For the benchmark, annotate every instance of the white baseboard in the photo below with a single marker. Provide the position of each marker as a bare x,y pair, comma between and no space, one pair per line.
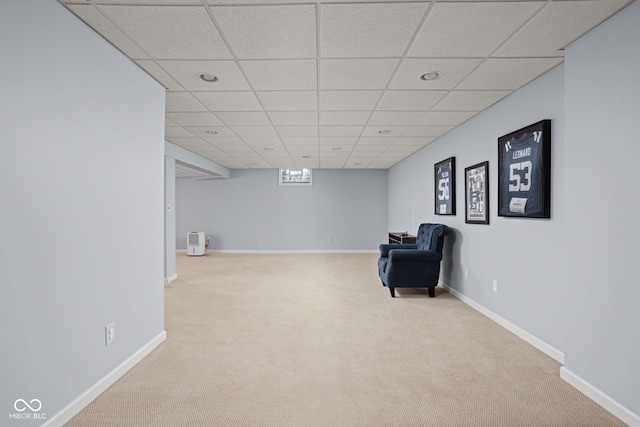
170,279
521,333
600,398
71,410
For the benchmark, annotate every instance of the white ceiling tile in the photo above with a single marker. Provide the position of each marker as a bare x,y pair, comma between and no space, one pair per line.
452,72
420,100
509,73
210,131
97,21
177,132
384,131
335,155
249,131
274,31
271,142
340,130
377,140
343,150
187,73
229,101
194,119
170,32
300,141
182,101
364,155
160,75
357,164
237,147
338,140
368,30
428,131
289,100
470,100
244,118
187,142
398,118
450,118
370,148
293,74
356,73
169,123
300,118
404,148
342,100
556,26
470,29
288,131
344,117
228,143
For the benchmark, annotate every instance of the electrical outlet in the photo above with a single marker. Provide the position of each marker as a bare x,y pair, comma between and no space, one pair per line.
495,286
109,333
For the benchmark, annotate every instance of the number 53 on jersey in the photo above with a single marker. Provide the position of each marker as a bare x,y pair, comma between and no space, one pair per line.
524,172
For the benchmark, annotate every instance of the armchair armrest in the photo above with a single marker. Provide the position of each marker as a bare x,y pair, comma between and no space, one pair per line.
414,255
385,248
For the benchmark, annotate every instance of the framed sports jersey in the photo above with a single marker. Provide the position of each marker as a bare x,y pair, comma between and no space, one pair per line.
476,195
445,187
524,172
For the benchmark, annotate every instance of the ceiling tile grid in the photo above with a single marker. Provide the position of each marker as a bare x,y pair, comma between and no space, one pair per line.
335,83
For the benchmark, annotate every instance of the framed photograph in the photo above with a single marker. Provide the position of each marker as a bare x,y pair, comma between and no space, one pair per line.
476,195
524,172
445,187
295,177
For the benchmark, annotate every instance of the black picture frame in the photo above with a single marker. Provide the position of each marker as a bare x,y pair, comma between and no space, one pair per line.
524,172
445,187
476,194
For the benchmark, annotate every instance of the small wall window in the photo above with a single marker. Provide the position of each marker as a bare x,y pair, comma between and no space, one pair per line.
295,177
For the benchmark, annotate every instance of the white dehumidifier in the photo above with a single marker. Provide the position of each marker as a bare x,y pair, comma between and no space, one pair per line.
195,243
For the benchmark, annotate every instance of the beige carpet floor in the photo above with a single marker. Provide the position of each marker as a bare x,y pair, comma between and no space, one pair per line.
315,340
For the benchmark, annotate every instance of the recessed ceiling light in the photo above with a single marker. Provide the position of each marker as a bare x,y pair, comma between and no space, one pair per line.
434,75
384,131
212,132
306,157
209,78
268,149
336,148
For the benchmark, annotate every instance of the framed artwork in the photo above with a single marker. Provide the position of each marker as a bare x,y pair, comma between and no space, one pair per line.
524,172
476,195
445,187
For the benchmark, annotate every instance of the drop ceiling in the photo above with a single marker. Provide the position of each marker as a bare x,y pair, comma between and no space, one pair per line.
334,84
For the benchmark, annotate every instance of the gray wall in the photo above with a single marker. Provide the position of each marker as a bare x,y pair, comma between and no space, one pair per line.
569,281
169,218
602,319
81,200
523,255
251,212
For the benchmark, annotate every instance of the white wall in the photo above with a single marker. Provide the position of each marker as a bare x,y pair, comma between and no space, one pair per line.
568,281
251,212
601,260
81,200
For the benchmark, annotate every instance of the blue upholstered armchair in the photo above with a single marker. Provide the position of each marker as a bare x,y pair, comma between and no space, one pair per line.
414,266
